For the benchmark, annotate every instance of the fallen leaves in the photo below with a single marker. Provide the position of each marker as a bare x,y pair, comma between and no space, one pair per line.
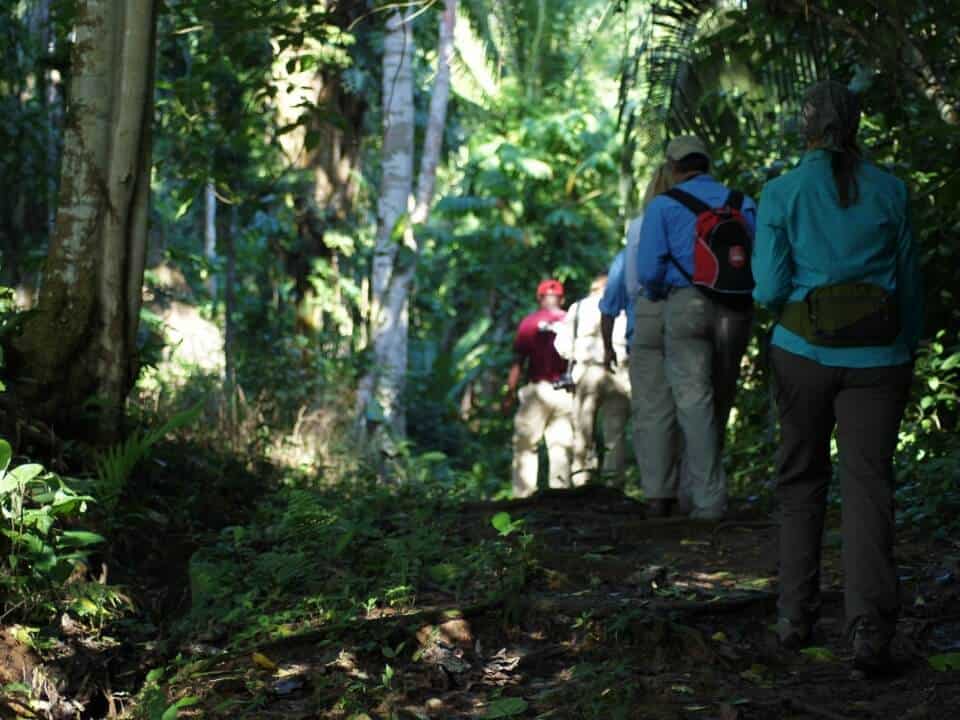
263,662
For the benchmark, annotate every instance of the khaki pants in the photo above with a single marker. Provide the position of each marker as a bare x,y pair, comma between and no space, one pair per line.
656,437
689,358
543,414
607,394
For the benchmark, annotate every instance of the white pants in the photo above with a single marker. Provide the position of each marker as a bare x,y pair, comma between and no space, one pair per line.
543,414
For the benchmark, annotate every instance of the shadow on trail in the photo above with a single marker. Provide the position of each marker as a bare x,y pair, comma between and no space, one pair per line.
619,616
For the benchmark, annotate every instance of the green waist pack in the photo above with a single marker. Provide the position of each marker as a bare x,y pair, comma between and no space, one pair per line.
845,315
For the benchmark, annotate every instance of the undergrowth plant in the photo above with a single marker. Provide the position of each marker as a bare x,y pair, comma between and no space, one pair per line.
929,449
40,552
115,465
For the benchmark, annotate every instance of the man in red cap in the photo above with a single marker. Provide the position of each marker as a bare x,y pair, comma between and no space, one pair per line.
545,411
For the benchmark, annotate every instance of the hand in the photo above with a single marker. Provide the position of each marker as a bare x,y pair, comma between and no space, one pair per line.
509,400
610,359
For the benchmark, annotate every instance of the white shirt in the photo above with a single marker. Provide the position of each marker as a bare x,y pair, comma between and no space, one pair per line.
583,321
631,258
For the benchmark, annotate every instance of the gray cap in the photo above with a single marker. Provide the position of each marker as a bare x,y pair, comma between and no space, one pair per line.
831,115
680,147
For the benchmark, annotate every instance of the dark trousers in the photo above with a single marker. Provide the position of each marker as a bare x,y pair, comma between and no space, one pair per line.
731,335
866,406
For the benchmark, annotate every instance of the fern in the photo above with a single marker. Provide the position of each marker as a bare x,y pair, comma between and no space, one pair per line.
115,465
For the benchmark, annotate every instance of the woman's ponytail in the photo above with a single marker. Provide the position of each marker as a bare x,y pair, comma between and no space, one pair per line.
846,162
831,118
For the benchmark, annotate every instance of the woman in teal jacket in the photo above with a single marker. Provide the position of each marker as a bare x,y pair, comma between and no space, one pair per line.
836,260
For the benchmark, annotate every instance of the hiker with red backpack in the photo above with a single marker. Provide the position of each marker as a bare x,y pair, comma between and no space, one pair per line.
693,255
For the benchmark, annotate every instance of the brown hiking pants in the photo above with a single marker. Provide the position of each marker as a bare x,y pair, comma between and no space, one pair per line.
866,406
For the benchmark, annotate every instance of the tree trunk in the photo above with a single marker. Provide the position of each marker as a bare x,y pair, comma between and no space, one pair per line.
437,119
378,392
227,217
210,236
81,342
395,256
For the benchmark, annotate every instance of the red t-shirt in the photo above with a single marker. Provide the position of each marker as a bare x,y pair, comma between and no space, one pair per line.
543,360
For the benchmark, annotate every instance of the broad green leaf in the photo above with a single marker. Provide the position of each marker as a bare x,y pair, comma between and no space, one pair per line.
503,523
26,473
951,362
172,713
945,663
41,519
8,483
6,454
505,708
80,538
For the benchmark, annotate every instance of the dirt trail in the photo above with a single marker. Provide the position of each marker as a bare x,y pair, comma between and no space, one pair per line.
623,617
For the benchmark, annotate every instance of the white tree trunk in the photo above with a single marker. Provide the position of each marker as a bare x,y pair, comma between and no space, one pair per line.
437,119
380,386
82,340
210,234
123,243
393,271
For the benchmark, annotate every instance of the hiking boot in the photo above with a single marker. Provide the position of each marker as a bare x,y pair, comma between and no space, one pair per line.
871,645
660,507
793,635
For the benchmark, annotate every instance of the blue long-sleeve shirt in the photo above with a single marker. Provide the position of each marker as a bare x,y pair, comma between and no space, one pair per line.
805,240
615,298
669,230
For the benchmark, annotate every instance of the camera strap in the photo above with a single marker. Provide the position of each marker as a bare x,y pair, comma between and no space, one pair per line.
573,343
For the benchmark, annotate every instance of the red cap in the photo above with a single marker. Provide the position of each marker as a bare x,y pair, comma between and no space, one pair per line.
550,287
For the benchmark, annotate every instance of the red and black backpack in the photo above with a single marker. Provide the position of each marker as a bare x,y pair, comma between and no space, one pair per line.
721,251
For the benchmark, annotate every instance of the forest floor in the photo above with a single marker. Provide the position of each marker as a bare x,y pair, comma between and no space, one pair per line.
374,603
616,616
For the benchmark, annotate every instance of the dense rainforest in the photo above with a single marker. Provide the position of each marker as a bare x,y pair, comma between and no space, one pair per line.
261,265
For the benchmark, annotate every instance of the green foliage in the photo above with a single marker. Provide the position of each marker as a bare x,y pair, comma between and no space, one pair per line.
945,663
324,554
154,704
506,708
535,196
929,457
40,546
116,464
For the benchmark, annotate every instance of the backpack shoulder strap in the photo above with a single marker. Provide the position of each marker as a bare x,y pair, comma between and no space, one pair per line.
735,200
691,203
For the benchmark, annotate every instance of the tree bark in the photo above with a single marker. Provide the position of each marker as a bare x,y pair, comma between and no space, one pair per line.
394,270
437,119
378,391
210,234
227,216
81,341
